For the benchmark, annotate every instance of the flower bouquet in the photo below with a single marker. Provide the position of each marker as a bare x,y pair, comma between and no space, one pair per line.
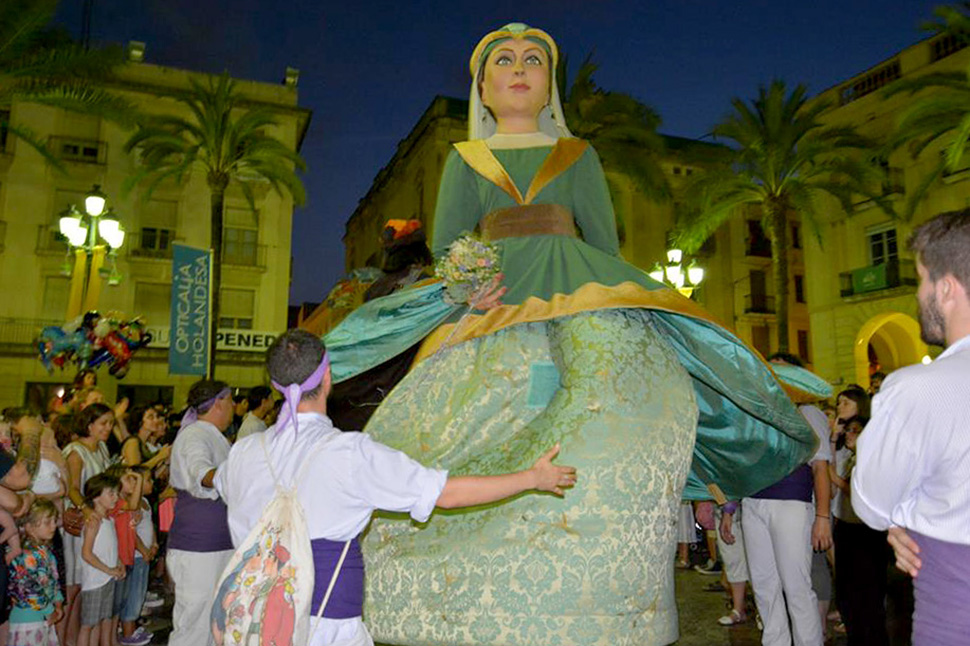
467,269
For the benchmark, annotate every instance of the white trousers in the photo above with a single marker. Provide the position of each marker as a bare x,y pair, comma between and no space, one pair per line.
778,543
732,556
195,575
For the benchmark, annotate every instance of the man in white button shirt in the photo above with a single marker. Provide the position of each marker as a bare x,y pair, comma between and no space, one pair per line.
912,474
260,400
352,476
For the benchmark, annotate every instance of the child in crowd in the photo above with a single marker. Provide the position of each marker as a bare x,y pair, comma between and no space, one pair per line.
100,567
36,598
127,514
136,579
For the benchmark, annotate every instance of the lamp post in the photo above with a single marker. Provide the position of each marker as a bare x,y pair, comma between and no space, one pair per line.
674,274
92,234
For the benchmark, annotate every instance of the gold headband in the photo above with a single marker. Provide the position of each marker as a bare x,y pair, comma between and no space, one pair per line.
516,31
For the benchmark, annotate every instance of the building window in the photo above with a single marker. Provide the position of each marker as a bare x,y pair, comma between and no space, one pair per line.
799,289
883,246
796,237
803,346
86,151
156,242
153,301
54,305
757,243
4,131
240,236
236,307
158,222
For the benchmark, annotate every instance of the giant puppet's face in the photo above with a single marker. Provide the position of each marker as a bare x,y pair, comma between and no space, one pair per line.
516,80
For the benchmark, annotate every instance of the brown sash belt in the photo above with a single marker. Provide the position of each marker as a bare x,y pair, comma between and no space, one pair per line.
528,220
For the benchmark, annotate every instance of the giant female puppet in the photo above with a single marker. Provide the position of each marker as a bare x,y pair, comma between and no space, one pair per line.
585,349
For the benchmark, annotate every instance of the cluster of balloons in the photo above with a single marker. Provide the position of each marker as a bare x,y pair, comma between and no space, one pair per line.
91,340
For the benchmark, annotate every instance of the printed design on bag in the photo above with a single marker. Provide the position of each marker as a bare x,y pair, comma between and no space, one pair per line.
255,602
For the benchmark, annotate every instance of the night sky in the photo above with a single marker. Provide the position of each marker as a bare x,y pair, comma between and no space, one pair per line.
368,69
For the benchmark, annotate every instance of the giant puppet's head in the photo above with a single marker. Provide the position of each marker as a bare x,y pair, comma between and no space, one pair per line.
499,53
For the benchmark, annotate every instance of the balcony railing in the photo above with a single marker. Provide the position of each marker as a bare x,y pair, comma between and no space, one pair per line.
22,332
876,278
759,304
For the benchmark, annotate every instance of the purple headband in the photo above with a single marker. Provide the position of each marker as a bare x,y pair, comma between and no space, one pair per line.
192,412
294,392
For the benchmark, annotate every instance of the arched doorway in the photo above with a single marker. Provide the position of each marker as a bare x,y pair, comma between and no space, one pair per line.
892,339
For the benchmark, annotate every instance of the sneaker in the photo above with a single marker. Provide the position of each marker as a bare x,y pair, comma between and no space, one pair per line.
732,619
135,640
715,587
711,567
156,602
683,565
141,632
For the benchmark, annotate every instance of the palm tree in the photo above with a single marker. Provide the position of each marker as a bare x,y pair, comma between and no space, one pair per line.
40,65
940,113
621,129
782,161
225,139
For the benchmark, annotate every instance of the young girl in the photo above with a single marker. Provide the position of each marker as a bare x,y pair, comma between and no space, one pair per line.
136,579
100,567
125,516
36,598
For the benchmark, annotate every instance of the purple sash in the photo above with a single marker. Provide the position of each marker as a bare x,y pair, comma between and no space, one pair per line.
347,599
200,525
942,593
797,485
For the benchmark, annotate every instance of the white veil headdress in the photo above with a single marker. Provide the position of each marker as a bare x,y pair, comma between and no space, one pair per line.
481,124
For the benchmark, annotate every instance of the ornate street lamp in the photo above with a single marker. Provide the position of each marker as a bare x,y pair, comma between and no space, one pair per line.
90,235
674,274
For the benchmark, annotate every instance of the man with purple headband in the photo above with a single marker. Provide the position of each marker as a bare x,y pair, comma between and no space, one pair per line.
352,477
199,545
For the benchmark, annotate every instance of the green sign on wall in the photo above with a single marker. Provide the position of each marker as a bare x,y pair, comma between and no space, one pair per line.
870,279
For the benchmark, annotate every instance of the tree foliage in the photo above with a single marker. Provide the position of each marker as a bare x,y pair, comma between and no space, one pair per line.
227,140
783,161
939,114
622,129
42,65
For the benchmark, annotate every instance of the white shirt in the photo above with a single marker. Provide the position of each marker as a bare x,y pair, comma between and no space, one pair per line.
250,424
820,424
913,458
47,479
355,476
198,448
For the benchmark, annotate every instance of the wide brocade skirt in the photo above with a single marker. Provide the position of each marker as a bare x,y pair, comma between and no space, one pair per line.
595,567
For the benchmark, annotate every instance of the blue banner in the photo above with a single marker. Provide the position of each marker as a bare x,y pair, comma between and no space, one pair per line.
188,352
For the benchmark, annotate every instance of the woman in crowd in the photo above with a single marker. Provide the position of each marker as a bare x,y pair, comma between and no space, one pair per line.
863,557
86,457
136,449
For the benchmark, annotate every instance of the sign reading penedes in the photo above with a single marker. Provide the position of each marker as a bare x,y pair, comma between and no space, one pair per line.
227,339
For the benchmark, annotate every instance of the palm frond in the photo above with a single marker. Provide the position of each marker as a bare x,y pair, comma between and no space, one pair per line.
32,139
